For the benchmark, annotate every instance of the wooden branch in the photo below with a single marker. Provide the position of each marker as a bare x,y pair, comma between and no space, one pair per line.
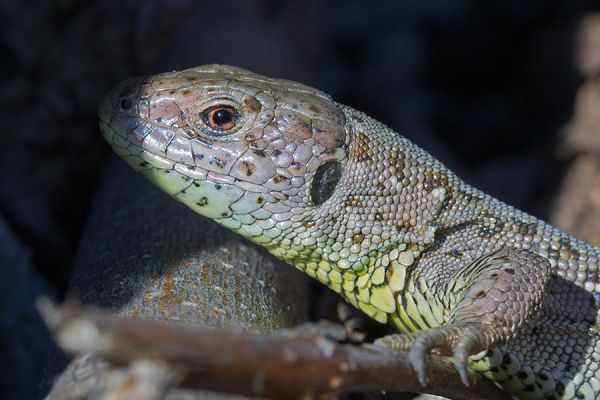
288,365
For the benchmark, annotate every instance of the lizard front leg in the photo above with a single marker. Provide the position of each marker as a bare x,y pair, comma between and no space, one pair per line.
496,295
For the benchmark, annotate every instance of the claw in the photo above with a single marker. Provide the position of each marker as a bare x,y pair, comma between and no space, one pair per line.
467,344
460,363
416,357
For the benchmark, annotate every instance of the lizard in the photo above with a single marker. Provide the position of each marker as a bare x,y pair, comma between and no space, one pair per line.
377,219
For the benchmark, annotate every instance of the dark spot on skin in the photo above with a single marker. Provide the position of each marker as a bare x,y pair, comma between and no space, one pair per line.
159,120
574,253
143,164
397,163
198,156
280,178
295,166
253,104
202,202
479,294
247,167
260,200
487,231
309,224
218,186
455,253
224,214
168,171
216,161
402,226
249,137
469,197
259,153
351,201
506,359
185,92
509,270
543,376
362,150
277,153
579,395
357,238
494,275
196,184
499,226
172,92
378,217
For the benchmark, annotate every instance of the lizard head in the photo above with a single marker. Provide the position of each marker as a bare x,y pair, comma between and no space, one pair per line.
256,154
320,185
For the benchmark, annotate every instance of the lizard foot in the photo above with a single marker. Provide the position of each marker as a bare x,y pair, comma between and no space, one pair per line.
497,295
457,340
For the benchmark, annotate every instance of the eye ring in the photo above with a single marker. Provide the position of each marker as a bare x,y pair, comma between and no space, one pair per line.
220,117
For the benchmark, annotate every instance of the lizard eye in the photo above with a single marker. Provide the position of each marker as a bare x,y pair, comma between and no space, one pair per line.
220,117
326,179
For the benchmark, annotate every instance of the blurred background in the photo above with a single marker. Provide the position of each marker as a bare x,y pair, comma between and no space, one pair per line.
505,92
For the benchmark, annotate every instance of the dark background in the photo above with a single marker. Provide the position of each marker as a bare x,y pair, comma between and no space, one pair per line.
486,86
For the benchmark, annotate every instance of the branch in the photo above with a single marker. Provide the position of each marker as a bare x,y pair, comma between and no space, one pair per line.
287,365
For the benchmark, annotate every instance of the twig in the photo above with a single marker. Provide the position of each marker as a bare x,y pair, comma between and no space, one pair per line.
282,366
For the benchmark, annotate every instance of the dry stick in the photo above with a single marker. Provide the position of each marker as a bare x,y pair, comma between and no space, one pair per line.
283,366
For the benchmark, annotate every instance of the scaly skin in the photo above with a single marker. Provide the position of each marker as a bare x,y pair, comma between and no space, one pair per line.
377,219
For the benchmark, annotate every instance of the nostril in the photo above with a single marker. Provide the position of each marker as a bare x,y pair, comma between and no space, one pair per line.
125,103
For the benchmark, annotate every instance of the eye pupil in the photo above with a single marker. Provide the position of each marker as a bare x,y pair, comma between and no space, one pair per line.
222,116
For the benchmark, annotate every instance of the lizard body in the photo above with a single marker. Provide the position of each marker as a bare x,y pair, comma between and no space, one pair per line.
377,219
